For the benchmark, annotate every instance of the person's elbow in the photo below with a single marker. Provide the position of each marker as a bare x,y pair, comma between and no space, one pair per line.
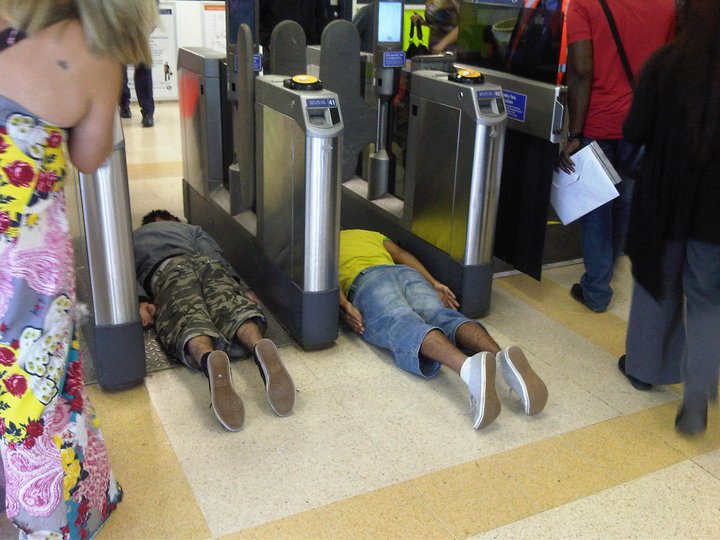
87,162
579,76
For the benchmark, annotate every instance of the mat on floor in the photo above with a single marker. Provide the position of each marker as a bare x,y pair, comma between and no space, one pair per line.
563,243
156,359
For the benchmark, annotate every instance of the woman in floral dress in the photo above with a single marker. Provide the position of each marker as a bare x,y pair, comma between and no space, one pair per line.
60,65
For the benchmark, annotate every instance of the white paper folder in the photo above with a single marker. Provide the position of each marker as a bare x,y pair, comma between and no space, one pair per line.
589,187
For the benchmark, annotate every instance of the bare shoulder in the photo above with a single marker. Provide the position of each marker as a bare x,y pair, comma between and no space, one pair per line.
67,39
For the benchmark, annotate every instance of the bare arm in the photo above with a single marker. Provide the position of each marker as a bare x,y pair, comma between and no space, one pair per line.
90,140
400,256
450,39
579,83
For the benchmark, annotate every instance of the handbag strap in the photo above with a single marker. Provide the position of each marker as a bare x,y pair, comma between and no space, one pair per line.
618,42
10,37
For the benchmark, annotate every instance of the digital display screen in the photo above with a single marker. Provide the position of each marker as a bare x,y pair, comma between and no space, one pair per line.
389,23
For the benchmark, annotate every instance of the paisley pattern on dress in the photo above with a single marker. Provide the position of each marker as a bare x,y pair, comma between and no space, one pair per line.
58,478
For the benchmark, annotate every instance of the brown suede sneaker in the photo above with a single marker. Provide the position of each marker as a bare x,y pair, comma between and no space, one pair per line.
278,384
226,402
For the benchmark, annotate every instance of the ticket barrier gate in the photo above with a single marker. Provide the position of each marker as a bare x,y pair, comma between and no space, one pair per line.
452,182
114,332
285,245
536,119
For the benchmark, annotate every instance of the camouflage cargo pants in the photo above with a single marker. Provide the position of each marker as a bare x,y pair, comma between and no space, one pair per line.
195,295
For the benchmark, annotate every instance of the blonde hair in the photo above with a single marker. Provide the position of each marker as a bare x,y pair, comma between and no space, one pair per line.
115,28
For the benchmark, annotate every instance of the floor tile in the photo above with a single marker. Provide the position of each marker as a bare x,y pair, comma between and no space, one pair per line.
676,502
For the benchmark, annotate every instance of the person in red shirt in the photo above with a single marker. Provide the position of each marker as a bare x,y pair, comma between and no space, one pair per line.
599,97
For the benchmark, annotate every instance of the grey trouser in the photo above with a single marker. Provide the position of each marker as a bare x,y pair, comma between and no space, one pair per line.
677,338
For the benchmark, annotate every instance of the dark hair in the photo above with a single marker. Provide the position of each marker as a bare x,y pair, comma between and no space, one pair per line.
164,215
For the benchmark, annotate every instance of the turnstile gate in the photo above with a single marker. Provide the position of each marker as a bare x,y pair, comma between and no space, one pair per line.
455,147
285,242
114,332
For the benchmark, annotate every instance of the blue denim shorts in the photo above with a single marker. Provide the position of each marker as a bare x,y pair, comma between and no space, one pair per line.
399,308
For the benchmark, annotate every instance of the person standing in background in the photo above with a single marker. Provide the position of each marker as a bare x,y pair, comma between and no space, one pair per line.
142,77
61,64
441,17
599,97
364,22
674,233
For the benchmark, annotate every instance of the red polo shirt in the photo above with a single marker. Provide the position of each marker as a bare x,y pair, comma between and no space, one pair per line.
644,26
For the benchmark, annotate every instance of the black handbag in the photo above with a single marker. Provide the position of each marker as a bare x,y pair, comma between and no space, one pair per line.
416,49
630,162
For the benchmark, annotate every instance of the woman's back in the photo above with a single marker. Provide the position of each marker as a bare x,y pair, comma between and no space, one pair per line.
60,82
58,480
53,75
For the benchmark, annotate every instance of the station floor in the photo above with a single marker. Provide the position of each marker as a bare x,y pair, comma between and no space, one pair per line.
374,453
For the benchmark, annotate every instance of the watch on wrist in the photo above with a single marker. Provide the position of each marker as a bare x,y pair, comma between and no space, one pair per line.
574,136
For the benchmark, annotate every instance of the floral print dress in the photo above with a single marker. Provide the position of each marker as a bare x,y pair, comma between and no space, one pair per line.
58,482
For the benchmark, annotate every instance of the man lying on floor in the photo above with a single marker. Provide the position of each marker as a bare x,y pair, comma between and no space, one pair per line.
392,301
199,309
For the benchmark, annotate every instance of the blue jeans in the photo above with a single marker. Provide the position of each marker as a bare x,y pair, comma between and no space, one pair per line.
603,234
399,308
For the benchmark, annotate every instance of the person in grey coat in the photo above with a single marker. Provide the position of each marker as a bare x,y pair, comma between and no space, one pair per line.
674,235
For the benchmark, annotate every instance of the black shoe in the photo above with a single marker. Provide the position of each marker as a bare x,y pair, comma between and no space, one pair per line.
577,293
147,120
691,420
637,383
125,111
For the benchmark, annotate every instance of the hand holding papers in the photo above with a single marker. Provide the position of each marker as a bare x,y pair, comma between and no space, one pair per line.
573,195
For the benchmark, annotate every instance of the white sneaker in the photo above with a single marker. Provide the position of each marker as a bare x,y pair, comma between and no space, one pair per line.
521,378
483,396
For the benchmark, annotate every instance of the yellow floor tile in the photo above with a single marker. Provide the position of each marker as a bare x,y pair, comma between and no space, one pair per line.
157,502
474,496
660,421
145,171
393,512
606,330
625,449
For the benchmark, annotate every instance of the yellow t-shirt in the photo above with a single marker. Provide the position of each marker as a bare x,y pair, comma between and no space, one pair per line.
360,249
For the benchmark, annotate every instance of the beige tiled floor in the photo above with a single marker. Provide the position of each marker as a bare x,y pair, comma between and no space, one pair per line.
372,452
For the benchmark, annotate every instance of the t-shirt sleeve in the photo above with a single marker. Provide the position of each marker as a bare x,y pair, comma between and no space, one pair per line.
578,22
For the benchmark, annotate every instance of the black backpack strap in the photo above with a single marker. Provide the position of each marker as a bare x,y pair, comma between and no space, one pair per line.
618,42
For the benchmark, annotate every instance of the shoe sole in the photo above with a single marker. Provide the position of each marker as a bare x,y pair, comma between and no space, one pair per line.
533,392
226,403
490,402
279,386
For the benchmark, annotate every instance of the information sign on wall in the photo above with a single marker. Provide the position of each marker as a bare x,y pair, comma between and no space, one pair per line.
163,47
214,26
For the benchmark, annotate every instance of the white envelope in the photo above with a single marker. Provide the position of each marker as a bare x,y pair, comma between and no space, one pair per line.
589,187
